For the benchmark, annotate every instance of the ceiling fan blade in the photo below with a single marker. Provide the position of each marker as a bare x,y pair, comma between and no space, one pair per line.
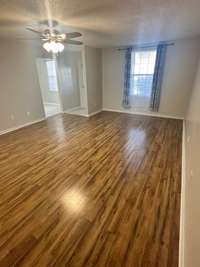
73,42
71,35
33,30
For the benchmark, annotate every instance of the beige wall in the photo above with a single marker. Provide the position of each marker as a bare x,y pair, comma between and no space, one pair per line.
20,96
181,62
93,79
192,183
68,76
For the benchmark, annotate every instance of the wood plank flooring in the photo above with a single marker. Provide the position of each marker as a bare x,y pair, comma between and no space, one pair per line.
103,191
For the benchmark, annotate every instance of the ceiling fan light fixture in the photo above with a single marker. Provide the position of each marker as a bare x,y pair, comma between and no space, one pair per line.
53,40
53,47
47,46
60,47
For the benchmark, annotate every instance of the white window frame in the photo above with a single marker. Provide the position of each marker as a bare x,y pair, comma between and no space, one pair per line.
138,100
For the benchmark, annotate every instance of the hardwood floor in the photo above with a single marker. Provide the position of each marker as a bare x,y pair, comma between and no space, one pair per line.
103,191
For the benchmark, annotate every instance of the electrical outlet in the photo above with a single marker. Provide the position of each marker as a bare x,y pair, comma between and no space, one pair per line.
28,113
191,173
12,117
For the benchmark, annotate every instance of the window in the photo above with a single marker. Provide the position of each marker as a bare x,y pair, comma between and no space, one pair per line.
142,71
52,77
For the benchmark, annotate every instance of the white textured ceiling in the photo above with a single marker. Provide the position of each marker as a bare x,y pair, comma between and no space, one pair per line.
105,22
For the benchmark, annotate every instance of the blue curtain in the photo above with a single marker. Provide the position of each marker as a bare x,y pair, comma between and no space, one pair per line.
158,76
127,79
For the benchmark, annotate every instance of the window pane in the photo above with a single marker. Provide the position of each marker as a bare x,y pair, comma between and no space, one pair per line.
142,70
141,85
51,68
143,62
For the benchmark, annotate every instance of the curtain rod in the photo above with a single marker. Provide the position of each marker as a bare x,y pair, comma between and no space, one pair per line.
145,46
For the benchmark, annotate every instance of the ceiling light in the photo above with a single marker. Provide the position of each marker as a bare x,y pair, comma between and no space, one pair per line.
47,46
53,47
60,47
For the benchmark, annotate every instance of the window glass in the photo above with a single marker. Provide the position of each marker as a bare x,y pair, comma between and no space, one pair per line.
52,77
142,71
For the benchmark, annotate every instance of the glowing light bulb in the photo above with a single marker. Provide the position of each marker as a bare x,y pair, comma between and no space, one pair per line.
53,47
47,46
60,47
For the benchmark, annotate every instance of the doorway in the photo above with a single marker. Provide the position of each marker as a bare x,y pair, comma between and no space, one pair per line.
47,73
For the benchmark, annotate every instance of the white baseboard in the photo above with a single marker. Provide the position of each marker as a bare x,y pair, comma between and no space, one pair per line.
94,113
151,114
21,126
182,211
70,111
91,114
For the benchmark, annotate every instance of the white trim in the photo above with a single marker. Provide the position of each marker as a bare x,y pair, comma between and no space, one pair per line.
52,104
75,114
21,126
94,113
182,211
70,111
85,82
160,115
57,113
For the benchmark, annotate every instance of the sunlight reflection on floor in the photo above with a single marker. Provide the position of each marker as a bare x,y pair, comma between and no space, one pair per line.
74,201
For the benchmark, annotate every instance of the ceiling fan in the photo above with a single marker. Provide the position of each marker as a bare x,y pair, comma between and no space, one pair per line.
54,40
